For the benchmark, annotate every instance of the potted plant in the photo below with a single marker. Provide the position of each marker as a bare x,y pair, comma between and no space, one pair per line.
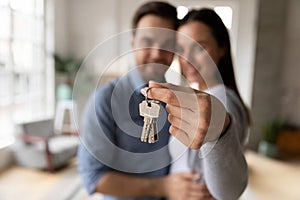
67,68
268,145
289,141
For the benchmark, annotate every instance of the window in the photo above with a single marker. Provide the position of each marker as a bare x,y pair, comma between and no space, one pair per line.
225,12
181,11
26,72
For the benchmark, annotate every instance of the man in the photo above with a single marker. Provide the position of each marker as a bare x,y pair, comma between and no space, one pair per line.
112,160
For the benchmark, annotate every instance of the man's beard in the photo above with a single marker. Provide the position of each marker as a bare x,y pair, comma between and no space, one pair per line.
157,74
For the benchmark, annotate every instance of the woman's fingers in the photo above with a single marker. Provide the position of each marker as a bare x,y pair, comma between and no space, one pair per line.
174,95
170,86
179,96
190,113
193,141
190,129
184,114
190,119
180,135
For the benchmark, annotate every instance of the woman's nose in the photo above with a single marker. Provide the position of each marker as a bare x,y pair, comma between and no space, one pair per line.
188,57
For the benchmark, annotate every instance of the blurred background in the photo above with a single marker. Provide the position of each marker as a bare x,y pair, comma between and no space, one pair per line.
43,43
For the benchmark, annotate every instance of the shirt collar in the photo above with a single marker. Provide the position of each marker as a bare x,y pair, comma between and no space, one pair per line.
137,81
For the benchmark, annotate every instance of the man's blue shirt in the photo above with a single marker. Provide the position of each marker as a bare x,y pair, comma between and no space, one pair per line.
110,135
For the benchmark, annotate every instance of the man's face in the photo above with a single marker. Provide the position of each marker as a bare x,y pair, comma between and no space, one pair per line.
151,45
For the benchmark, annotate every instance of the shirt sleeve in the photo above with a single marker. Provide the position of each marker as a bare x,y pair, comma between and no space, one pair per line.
97,132
225,167
90,169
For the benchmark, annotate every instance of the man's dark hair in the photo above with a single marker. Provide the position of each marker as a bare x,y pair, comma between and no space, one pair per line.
161,9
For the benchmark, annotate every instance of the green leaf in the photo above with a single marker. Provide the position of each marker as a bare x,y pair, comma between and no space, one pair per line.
68,66
272,129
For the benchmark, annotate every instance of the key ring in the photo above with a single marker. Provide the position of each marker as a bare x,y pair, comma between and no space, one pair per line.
147,99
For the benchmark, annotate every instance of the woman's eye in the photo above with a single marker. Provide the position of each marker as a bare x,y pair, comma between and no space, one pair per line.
198,49
179,49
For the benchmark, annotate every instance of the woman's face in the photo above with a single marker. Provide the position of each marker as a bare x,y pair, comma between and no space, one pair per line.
204,54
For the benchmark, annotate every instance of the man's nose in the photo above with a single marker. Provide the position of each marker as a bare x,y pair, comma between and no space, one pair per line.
156,52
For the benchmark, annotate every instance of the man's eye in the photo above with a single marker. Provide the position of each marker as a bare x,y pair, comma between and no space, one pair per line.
146,42
170,45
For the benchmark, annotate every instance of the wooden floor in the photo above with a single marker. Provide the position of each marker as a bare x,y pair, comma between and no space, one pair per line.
30,184
273,179
269,179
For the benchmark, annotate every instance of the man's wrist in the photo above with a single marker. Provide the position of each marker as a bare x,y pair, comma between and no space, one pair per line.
158,186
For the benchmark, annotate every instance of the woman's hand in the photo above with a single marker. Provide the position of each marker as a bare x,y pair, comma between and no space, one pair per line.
195,116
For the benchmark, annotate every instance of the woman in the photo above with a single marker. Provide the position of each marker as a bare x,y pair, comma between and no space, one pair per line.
222,168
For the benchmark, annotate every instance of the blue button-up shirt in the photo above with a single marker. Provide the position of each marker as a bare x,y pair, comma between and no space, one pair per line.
110,135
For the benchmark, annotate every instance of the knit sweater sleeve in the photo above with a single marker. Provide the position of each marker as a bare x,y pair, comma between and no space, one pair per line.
224,164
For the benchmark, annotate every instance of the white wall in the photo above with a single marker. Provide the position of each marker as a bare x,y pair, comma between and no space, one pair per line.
81,25
246,47
268,66
290,101
276,91
61,27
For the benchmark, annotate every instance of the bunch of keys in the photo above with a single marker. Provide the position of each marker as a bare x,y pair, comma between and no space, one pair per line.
150,110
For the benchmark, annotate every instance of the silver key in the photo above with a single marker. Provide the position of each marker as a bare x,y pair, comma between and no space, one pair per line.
150,110
153,132
150,131
145,129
